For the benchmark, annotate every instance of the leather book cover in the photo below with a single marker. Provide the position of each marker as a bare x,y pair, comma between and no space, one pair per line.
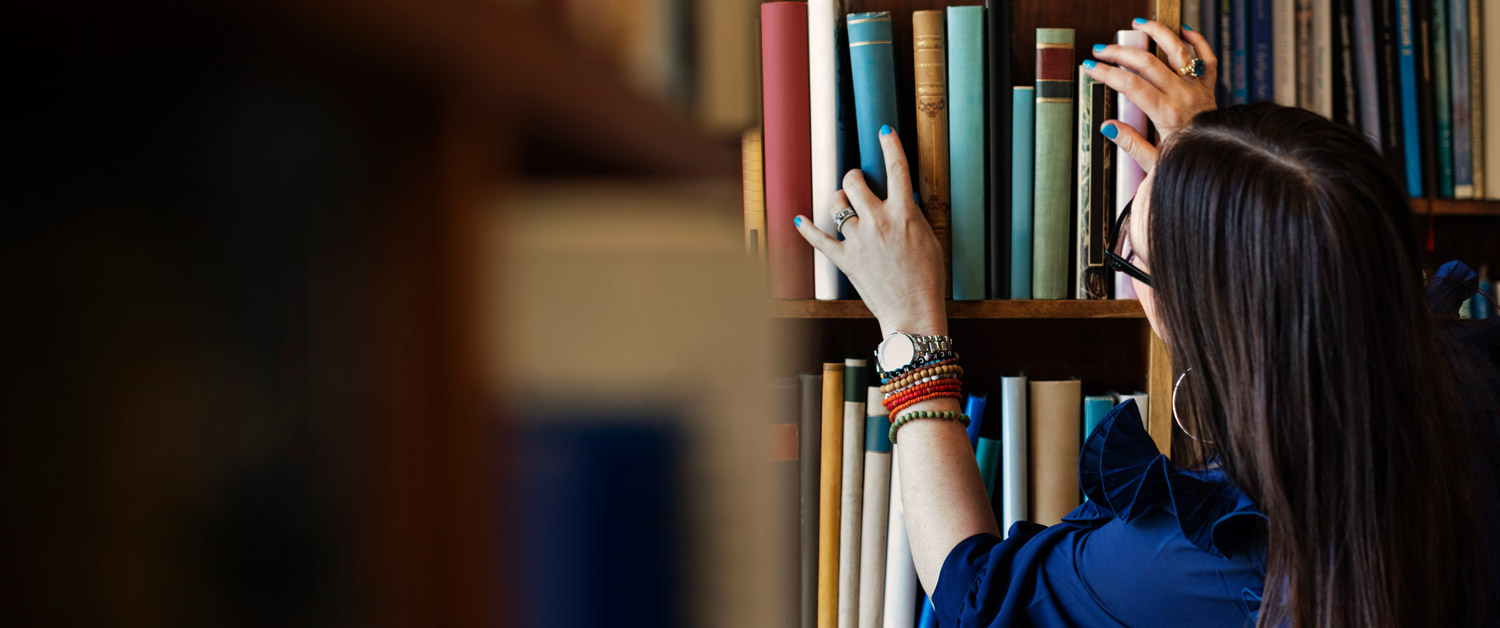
966,150
930,61
1055,437
829,499
787,146
1054,163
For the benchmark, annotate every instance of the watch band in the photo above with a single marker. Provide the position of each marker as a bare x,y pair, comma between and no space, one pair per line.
926,350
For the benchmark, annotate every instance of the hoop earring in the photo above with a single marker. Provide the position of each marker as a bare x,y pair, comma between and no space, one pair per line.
1174,408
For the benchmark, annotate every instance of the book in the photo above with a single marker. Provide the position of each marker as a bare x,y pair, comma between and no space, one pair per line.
809,449
966,136
1224,92
1345,103
1192,12
1210,31
1094,409
1388,78
987,454
1240,50
1014,447
874,516
872,67
1458,63
1304,54
783,458
787,146
1442,91
822,53
1023,151
851,504
1364,66
1476,97
900,609
974,409
1054,160
998,42
1322,61
1408,76
1491,83
755,194
1054,433
1426,98
1095,190
1128,174
1284,52
930,63
1262,79
829,497
1142,402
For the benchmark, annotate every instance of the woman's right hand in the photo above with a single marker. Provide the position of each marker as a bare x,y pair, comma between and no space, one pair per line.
1167,98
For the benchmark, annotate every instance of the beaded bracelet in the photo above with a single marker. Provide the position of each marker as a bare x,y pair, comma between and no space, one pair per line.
892,402
926,414
948,367
922,380
927,397
935,359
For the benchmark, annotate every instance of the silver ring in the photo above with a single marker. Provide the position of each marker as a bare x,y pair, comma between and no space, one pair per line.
1194,69
842,216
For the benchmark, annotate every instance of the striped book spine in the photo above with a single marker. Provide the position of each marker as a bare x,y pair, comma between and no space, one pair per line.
851,491
755,195
873,68
1463,151
1023,151
822,55
930,61
1054,160
966,149
786,137
1442,87
1411,142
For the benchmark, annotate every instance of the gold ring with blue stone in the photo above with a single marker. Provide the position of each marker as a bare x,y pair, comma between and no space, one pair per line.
1194,68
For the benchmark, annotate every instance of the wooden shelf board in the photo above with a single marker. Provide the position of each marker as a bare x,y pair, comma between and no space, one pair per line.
781,308
1453,207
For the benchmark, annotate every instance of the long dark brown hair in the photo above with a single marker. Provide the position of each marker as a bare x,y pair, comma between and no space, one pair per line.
1287,277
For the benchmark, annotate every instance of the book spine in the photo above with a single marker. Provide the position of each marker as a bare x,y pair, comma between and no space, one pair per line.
1304,54
1192,12
851,500
874,516
930,61
809,448
1054,451
1023,151
1054,157
1262,70
1345,99
1083,195
900,609
966,149
847,131
1094,409
1093,218
1426,98
1211,34
1408,76
787,144
998,95
753,177
822,54
1241,50
829,497
1364,66
1387,74
1322,50
1490,16
1142,403
1442,87
1013,439
1224,93
988,456
784,459
974,409
1476,98
1458,45
1284,51
1128,174
872,67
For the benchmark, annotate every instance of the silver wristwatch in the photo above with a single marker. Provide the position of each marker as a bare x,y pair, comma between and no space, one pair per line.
900,352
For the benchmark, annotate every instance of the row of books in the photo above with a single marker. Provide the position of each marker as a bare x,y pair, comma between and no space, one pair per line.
1019,185
1413,75
847,557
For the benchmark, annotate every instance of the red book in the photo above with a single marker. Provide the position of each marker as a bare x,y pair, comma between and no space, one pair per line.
788,146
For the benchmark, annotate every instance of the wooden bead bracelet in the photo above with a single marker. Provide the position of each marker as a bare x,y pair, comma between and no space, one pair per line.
947,386
926,414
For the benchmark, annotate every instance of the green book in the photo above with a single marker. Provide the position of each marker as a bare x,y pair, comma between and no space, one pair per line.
966,159
1051,211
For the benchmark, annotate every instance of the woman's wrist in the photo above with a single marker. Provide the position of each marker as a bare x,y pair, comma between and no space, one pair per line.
935,324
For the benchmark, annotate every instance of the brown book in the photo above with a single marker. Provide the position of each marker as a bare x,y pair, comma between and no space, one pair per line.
1055,433
809,448
828,496
932,131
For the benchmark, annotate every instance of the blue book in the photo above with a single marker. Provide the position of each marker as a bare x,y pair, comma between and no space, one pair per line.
975,409
966,135
872,66
846,140
988,456
1023,152
1239,26
929,615
1459,32
1224,48
1442,90
1094,409
1261,78
1411,142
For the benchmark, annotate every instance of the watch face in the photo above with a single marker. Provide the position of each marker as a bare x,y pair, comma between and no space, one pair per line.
896,352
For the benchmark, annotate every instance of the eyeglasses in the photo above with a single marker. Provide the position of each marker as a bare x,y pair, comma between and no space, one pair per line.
1119,252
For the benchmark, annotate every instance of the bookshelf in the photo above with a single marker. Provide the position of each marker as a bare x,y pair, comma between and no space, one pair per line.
1027,309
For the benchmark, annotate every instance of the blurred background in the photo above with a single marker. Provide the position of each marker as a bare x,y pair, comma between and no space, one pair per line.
396,312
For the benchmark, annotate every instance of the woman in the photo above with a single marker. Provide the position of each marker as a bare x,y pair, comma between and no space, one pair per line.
1350,476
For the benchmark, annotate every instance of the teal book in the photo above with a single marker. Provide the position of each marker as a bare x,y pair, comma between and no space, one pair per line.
1023,140
1094,409
966,158
872,66
988,457
1051,215
1442,88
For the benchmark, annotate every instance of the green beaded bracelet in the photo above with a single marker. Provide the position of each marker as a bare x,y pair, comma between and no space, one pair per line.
962,418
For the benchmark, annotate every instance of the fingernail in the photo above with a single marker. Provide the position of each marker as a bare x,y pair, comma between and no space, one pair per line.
885,129
1109,131
1099,48
797,220
1140,20
1186,27
1089,63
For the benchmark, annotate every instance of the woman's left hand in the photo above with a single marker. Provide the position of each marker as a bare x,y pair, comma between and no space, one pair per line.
1169,99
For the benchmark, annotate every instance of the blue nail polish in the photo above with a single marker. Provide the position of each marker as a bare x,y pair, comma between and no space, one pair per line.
1090,63
1109,131
797,220
885,129
1099,48
1140,20
1186,27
